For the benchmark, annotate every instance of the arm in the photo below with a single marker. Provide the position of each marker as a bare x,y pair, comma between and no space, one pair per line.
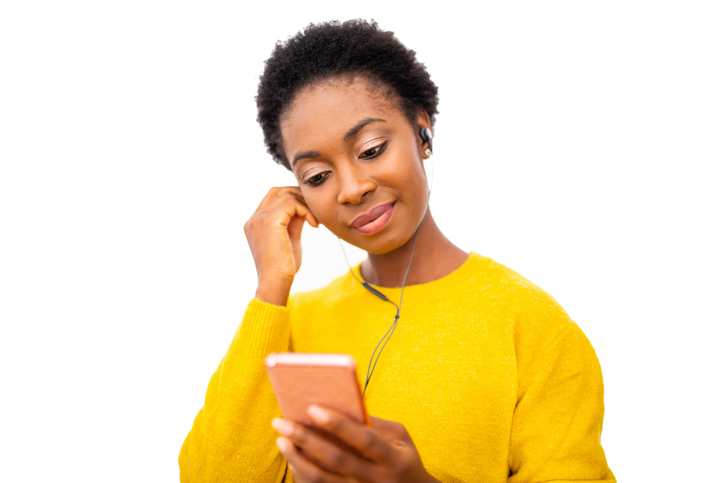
556,433
232,438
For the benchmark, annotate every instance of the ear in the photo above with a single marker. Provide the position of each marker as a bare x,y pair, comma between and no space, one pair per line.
423,121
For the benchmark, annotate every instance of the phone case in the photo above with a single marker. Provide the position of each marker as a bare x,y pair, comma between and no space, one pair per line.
329,380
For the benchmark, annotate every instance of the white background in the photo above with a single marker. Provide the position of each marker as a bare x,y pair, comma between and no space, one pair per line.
579,143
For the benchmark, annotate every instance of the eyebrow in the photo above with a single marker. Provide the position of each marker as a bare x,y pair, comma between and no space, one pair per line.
304,154
357,128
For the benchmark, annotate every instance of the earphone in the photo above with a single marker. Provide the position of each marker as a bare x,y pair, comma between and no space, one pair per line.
426,136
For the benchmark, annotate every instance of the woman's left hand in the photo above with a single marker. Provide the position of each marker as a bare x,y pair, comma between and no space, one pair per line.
388,453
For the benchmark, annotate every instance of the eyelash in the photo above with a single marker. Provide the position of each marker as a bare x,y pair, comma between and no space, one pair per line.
379,149
318,179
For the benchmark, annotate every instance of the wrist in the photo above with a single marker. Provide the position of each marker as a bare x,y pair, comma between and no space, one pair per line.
273,293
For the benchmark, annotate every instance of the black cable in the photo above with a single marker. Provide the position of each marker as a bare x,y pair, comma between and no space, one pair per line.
382,296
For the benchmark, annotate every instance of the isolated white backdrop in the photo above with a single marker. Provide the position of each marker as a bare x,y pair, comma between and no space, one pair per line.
579,143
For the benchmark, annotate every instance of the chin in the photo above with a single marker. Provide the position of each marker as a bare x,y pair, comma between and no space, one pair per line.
380,243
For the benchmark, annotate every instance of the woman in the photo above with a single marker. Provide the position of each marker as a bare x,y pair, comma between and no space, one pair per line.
485,377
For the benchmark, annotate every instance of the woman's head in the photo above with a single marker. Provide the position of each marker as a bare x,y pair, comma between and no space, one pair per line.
356,158
330,50
342,106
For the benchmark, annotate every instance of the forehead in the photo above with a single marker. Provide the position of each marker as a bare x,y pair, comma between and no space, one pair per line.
324,112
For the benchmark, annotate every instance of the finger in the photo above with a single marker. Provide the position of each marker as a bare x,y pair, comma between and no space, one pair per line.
390,430
280,196
311,219
294,208
303,469
364,439
328,455
280,211
276,192
295,228
274,203
285,198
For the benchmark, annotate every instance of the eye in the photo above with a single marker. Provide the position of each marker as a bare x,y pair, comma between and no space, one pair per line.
374,152
317,179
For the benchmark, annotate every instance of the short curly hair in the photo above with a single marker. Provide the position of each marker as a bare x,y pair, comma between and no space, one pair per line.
331,49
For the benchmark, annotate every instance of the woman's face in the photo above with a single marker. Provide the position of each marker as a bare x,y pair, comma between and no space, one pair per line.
358,162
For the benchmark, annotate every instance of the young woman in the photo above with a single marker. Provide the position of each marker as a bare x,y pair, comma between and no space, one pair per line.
485,378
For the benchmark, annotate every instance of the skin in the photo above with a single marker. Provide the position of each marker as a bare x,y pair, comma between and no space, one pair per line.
352,149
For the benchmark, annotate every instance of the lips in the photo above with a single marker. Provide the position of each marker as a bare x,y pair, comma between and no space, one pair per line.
375,219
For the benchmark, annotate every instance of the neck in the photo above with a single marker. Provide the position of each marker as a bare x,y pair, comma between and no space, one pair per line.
435,256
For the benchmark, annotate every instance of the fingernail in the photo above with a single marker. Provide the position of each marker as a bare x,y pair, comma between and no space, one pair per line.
282,444
282,427
318,414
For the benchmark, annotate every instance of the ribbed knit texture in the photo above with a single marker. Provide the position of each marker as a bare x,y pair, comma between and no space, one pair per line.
487,372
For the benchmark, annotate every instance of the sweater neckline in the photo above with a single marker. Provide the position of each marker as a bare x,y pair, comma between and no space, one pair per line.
459,274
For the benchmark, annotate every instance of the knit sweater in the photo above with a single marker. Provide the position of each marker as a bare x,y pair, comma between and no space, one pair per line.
486,371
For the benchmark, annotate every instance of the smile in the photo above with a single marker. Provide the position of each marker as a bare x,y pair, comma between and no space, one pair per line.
375,220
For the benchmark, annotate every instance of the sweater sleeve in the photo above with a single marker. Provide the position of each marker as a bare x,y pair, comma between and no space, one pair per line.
232,439
557,424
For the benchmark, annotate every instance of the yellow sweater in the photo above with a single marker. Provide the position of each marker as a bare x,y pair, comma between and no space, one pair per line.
489,375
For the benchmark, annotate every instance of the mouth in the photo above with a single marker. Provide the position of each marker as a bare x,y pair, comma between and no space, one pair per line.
374,220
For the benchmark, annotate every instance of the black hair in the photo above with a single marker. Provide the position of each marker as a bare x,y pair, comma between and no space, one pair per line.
332,49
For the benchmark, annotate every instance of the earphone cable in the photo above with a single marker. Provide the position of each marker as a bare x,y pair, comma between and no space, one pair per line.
432,179
392,328
385,338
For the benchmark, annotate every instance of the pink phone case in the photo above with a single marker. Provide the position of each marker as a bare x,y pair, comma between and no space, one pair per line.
329,380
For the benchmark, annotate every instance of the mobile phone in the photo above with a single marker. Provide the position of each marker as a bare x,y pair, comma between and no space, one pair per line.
328,380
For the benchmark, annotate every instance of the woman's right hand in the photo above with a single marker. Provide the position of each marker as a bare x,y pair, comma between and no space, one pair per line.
274,232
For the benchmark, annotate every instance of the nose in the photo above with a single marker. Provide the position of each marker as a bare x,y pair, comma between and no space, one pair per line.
354,184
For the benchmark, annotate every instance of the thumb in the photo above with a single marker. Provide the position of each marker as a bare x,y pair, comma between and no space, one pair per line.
389,430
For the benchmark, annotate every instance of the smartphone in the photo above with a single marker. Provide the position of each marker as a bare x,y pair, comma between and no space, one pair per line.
328,380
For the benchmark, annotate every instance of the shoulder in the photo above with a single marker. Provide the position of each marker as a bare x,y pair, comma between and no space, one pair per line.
535,319
540,327
508,282
508,288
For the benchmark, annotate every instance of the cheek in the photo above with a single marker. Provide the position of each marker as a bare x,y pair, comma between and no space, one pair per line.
407,174
322,205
